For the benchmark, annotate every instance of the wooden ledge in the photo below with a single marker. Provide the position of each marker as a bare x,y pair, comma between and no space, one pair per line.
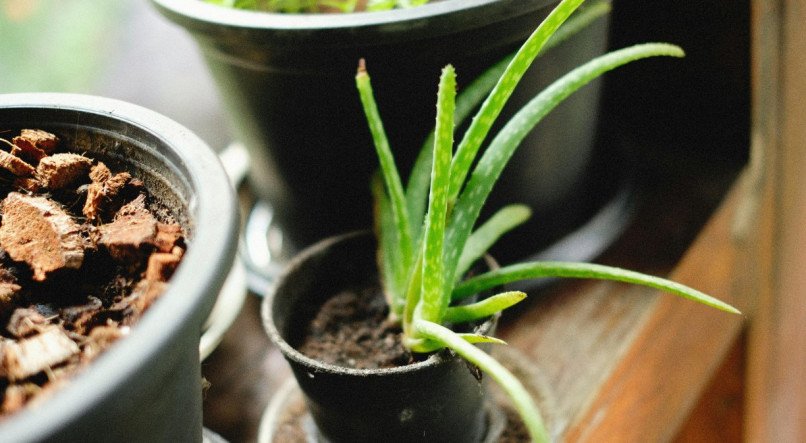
627,363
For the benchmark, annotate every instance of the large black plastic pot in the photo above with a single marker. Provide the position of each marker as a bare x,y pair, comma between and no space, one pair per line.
287,80
146,387
438,399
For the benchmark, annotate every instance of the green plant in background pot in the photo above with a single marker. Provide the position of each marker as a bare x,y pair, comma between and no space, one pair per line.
426,237
293,6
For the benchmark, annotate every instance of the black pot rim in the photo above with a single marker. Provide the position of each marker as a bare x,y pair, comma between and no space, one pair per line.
450,16
290,352
192,288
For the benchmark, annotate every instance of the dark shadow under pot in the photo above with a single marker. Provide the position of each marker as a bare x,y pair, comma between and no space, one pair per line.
147,386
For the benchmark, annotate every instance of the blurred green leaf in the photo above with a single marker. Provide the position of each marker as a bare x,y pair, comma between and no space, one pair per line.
56,45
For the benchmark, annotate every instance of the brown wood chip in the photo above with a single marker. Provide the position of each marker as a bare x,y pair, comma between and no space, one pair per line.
146,292
7,291
134,227
15,165
103,190
38,231
100,338
26,150
35,354
29,184
80,318
16,396
143,295
161,266
38,139
106,333
25,322
61,170
8,286
168,234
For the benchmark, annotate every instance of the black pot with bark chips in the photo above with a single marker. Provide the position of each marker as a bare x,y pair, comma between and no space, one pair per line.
147,386
439,399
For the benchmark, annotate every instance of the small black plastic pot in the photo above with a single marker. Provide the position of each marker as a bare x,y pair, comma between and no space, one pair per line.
288,83
147,386
439,399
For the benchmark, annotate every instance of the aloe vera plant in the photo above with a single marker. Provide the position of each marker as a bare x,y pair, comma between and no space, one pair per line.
297,6
426,231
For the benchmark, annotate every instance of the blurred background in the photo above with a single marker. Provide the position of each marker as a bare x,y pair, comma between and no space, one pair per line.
120,49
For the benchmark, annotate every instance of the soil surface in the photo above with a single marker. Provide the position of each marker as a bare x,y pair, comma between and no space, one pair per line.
84,251
352,330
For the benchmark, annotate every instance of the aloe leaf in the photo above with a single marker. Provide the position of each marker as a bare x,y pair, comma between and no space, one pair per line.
483,308
580,20
474,93
524,271
483,238
502,147
392,271
243,4
344,6
520,397
466,102
413,293
434,299
380,5
390,175
478,338
428,346
492,106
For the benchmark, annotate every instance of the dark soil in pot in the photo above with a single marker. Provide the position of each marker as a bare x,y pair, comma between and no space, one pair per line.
84,251
353,330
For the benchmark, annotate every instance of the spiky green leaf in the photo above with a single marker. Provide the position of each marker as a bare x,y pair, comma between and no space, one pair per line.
434,300
474,93
468,206
420,177
393,273
526,271
484,308
492,106
391,176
